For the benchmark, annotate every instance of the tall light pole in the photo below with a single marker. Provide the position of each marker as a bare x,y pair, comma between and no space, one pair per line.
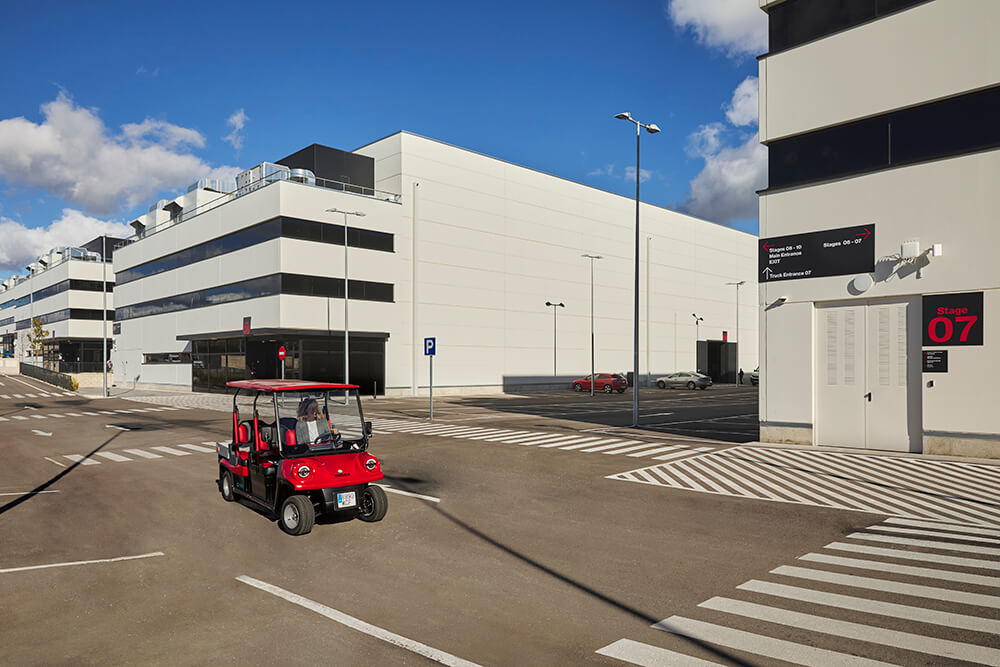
104,312
737,332
554,306
648,239
347,355
592,258
697,320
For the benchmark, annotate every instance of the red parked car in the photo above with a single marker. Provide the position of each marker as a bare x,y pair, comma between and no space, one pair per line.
606,382
300,449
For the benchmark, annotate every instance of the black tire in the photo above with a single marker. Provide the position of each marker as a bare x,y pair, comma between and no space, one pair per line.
226,486
661,384
608,389
297,515
691,385
577,386
621,391
703,387
373,504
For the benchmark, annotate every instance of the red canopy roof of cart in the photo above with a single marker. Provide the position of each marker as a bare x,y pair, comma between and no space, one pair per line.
287,385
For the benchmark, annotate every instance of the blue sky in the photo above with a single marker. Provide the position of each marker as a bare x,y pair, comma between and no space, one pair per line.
107,107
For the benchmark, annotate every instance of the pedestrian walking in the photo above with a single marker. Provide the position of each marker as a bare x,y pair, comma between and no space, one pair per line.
741,376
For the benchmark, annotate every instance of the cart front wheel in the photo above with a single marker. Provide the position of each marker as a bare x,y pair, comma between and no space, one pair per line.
297,515
373,505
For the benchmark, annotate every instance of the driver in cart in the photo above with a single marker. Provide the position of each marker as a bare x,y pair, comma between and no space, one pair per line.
309,429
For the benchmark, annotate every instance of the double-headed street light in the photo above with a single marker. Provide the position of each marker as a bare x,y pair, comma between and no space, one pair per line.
697,320
736,337
554,306
592,258
652,129
347,358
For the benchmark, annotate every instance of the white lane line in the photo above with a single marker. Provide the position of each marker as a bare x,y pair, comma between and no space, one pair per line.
909,570
56,462
587,442
864,605
142,454
76,458
169,450
198,448
870,583
111,456
915,555
29,493
638,653
769,647
81,562
949,526
931,544
409,493
856,631
932,533
359,625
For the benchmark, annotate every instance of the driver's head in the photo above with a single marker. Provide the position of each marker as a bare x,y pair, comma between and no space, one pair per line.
308,409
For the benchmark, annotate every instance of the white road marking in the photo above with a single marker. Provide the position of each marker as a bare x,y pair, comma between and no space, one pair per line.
29,493
31,396
111,456
6,396
408,493
106,412
142,454
896,568
38,417
69,393
168,450
20,418
76,458
857,631
870,583
658,450
37,432
73,414
54,461
949,526
696,450
779,649
915,555
638,653
949,546
81,562
932,533
90,414
120,428
198,448
18,396
3,419
587,442
359,625
602,447
57,416
633,448
878,607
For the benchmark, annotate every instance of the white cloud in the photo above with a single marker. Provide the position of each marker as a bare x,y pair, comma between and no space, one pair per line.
736,27
742,110
605,171
22,245
236,121
644,174
725,190
705,140
72,155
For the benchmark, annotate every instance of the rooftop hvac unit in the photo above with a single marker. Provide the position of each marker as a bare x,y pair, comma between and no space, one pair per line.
221,185
158,205
259,176
302,176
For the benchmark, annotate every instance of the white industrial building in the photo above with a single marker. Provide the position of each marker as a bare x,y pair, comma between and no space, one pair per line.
65,290
881,115
453,245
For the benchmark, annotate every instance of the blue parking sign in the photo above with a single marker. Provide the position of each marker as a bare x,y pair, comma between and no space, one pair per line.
429,345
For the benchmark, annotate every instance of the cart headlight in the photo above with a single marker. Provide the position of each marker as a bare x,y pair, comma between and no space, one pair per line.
371,464
303,471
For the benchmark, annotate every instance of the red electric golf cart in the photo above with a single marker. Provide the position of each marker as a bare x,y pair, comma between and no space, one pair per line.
299,449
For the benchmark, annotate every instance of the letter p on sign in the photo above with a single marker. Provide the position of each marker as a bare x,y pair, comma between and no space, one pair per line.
429,345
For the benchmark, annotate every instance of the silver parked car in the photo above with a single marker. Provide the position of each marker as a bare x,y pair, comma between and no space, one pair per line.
688,379
755,376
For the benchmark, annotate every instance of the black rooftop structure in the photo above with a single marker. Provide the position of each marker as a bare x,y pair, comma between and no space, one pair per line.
332,164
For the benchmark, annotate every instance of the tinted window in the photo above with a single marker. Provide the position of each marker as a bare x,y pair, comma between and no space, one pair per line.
950,127
799,21
838,151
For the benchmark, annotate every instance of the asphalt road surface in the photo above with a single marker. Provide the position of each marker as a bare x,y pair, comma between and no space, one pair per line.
507,542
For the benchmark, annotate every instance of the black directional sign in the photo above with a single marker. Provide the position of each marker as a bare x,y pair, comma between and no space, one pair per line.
831,252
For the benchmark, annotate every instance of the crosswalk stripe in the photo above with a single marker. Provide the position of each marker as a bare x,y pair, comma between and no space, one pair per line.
512,438
3,419
870,583
106,412
677,454
58,416
909,570
90,414
142,454
76,458
658,450
69,393
930,524
857,631
5,396
949,546
482,436
604,444
878,607
482,431
932,533
587,442
632,448
500,438
170,450
574,442
38,416
914,555
769,647
73,414
111,456
550,440
18,396
211,444
31,396
20,418
638,653
198,448
535,439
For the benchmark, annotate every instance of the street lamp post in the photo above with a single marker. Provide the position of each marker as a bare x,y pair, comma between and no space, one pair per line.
104,311
737,332
347,357
592,258
554,306
697,320
652,129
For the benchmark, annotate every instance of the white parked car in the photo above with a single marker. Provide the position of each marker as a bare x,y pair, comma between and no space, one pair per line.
688,379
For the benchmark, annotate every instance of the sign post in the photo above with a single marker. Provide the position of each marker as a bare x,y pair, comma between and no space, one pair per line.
281,358
430,346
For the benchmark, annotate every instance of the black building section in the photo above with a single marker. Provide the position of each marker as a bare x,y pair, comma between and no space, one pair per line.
335,165
219,358
102,243
75,355
717,360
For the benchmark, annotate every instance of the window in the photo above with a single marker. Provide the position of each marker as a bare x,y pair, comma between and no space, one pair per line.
796,22
167,358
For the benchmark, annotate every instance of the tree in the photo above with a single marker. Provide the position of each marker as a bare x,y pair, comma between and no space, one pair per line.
37,337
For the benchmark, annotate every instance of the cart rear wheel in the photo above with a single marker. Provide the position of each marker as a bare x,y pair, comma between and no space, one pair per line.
373,505
297,515
226,486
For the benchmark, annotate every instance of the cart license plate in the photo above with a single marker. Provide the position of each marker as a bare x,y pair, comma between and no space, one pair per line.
346,499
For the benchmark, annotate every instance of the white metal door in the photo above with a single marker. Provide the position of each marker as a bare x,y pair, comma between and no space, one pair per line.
840,375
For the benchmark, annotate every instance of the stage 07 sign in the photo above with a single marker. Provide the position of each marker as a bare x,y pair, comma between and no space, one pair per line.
953,319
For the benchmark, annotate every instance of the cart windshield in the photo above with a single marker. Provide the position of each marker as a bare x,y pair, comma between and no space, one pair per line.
314,422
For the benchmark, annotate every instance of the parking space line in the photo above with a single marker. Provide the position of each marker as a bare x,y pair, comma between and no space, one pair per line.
28,493
81,562
359,625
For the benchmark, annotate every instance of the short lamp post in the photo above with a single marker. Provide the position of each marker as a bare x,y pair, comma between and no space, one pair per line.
554,306
697,321
347,356
736,337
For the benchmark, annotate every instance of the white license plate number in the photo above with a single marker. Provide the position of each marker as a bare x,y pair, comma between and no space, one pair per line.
348,499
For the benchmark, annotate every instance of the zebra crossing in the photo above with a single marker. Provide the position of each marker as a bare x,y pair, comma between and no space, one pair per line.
136,454
39,394
917,488
852,604
578,442
89,413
